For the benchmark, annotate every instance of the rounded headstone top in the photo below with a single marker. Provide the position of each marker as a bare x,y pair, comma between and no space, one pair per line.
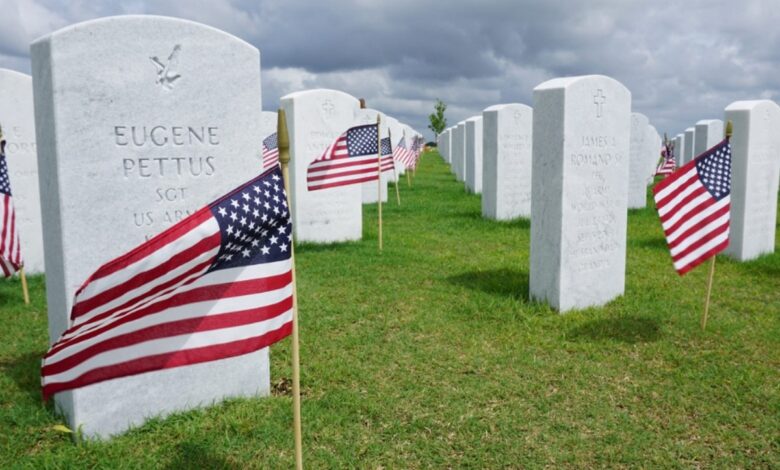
13,74
690,129
474,119
748,105
705,122
314,92
499,107
150,22
567,82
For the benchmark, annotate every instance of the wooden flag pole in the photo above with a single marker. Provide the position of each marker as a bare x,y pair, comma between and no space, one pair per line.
283,143
728,130
379,174
24,286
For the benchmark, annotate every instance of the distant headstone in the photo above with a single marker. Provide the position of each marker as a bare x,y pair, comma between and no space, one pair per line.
690,140
369,188
315,119
755,146
459,151
506,161
679,148
653,149
140,120
396,132
708,133
474,154
18,122
581,131
268,123
444,149
637,167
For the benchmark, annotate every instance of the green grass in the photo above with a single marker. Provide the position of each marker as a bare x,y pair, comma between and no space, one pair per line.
431,355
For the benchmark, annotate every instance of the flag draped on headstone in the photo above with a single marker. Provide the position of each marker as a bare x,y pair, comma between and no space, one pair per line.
694,204
217,284
350,159
270,151
10,251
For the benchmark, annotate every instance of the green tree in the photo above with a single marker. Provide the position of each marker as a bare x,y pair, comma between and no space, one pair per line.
438,121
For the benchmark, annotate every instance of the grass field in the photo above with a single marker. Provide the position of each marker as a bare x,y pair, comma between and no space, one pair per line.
431,355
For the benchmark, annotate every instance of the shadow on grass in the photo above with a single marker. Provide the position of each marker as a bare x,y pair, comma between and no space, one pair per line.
25,372
193,454
506,282
625,329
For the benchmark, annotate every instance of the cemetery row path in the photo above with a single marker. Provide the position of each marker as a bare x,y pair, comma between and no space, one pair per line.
432,355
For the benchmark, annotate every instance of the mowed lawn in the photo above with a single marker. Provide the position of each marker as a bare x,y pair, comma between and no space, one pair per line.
431,355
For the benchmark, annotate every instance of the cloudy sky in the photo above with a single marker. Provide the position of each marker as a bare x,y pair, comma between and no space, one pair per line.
681,63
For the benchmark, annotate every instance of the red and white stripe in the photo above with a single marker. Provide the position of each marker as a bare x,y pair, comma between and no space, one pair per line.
10,250
336,168
405,156
696,224
270,157
157,307
666,167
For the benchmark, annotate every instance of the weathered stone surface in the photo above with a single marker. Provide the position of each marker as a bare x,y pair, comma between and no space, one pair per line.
127,146
581,132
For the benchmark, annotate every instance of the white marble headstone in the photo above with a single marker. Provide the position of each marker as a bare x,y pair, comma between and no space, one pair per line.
653,152
474,154
690,140
268,123
369,189
127,149
18,122
396,131
708,133
315,118
637,167
581,133
755,147
679,149
506,161
459,147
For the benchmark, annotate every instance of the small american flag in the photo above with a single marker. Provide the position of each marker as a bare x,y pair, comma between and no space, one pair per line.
667,165
10,251
403,154
270,151
217,284
351,159
694,203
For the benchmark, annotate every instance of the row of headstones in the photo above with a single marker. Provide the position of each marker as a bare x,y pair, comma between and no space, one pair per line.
491,155
755,171
577,161
16,113
137,121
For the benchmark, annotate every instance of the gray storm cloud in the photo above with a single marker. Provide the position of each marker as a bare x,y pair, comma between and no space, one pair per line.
682,63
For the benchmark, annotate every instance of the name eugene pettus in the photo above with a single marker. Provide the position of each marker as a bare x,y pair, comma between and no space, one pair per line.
167,136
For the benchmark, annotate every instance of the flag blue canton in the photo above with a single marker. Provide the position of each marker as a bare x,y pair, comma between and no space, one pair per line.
714,169
254,222
361,140
387,148
5,182
270,142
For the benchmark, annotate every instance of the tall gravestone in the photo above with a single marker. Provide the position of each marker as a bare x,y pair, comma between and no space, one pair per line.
268,123
690,140
140,121
474,154
653,151
459,151
506,161
637,166
444,145
708,133
581,132
755,147
315,118
18,122
369,189
679,148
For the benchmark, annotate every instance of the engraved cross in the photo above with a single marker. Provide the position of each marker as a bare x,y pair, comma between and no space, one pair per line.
328,108
599,99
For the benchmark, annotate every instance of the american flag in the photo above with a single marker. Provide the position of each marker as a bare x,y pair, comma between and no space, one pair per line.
215,285
270,151
694,203
403,154
10,251
667,165
351,159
